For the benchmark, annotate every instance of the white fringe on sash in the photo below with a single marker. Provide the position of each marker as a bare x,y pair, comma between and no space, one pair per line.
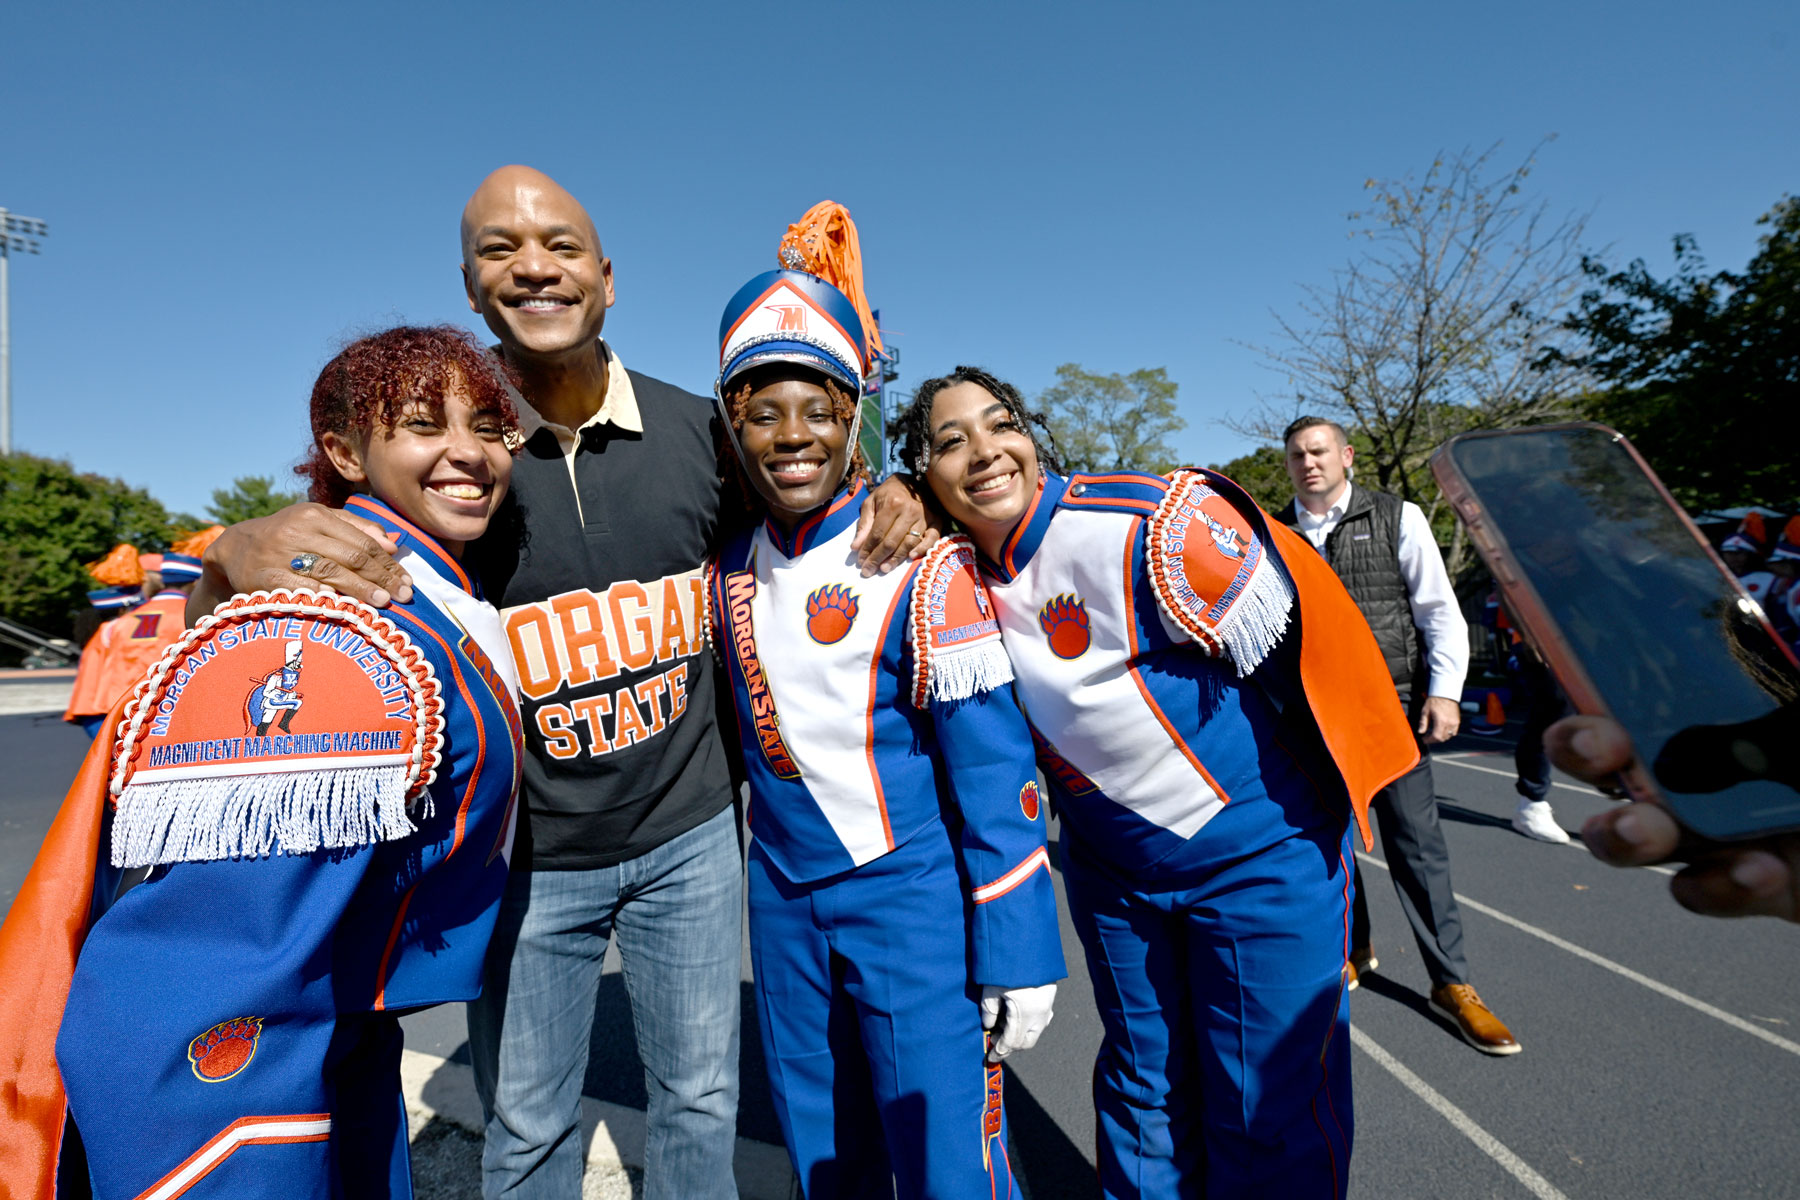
1257,620
959,674
249,816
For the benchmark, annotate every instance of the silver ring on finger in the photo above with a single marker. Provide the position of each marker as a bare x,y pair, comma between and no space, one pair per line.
304,562
914,536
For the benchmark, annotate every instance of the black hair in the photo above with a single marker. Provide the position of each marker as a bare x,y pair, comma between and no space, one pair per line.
913,425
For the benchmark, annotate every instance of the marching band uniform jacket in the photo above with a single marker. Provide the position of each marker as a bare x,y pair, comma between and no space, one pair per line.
872,709
230,1026
1105,591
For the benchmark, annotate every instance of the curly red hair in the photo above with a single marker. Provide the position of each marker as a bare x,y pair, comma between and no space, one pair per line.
373,379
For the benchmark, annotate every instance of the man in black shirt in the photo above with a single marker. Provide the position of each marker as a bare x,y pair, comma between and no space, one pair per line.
628,822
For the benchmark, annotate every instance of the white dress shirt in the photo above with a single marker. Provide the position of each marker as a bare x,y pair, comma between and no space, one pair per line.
1434,608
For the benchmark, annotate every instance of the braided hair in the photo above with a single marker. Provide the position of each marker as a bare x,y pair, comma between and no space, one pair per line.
913,426
731,468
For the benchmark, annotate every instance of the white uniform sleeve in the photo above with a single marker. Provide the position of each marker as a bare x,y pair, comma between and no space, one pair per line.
1434,607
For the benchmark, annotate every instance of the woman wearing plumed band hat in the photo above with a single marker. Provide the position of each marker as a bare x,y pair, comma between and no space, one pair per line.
900,894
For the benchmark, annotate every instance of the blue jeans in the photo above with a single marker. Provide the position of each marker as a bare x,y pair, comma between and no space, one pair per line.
678,912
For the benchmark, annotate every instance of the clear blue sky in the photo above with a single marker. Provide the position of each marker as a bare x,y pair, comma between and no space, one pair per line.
234,190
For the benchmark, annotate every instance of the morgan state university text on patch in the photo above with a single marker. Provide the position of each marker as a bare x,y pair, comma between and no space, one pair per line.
619,655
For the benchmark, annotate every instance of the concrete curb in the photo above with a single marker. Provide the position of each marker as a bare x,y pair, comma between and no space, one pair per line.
614,1134
22,699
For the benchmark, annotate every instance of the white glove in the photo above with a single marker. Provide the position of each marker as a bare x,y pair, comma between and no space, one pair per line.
1028,1011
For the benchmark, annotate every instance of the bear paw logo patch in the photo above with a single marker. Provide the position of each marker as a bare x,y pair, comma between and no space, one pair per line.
225,1049
830,611
1065,622
1028,800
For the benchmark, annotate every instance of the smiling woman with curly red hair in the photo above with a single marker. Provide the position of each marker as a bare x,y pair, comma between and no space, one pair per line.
323,793
371,384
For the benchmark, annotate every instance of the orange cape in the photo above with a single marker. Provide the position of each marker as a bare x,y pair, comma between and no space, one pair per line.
39,942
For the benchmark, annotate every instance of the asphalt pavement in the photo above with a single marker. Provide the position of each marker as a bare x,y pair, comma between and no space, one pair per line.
1661,1049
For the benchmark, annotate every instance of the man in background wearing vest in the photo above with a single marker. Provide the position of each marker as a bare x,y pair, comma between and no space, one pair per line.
1382,548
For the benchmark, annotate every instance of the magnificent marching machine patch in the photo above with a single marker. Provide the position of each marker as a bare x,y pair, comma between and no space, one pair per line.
1212,576
284,723
955,633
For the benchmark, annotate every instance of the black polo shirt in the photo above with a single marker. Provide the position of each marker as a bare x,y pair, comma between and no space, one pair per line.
598,580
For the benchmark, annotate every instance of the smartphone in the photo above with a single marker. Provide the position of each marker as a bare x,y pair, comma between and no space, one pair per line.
1638,618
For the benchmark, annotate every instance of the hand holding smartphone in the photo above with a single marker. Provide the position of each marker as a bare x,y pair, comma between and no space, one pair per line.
1639,619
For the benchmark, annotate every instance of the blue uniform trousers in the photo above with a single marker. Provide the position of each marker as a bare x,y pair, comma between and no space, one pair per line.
872,1031
1225,1066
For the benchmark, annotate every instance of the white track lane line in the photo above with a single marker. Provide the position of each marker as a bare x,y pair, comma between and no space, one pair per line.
1660,988
1463,1123
1457,762
1575,843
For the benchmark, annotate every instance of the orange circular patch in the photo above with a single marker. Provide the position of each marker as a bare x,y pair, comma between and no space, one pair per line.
1029,800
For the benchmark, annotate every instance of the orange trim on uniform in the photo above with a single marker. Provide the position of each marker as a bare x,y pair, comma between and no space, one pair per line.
462,808
1012,539
887,622
432,543
278,1131
1013,878
1131,639
39,941
813,522
1069,496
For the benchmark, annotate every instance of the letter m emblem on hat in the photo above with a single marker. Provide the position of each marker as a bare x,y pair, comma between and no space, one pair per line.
790,318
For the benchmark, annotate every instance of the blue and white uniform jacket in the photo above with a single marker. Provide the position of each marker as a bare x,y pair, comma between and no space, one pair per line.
351,862
443,883
1156,698
871,711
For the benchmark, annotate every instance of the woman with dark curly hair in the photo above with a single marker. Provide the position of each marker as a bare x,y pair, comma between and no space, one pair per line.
1213,715
323,797
900,895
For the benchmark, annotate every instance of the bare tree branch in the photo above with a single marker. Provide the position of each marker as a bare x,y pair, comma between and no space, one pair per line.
1440,325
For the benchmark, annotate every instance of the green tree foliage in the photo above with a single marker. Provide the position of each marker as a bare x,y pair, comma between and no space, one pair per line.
1262,474
251,496
1702,371
53,521
1113,422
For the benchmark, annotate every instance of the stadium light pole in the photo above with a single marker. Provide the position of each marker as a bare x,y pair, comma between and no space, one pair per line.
20,234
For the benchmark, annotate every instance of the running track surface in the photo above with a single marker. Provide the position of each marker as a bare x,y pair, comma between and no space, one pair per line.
1662,1050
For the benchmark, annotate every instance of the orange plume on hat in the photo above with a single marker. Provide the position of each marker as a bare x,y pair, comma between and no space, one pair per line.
1752,524
119,568
194,544
824,243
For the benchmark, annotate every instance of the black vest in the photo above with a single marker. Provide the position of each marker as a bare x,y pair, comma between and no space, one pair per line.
1364,550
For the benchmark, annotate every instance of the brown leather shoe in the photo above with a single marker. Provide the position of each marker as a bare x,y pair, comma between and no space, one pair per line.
1362,961
1479,1027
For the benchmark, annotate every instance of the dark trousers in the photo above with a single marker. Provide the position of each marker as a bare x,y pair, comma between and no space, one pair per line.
1546,705
1413,843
